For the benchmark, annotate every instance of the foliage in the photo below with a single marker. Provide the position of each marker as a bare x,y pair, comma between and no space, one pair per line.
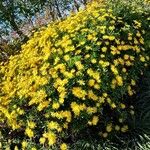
139,135
74,76
18,17
125,143
143,105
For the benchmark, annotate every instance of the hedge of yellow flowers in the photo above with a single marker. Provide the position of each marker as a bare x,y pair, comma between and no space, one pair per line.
72,75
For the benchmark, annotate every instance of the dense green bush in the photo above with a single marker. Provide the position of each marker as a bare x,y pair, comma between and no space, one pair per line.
74,76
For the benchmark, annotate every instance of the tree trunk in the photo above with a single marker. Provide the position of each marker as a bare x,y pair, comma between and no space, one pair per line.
76,5
84,2
52,13
58,10
10,17
13,24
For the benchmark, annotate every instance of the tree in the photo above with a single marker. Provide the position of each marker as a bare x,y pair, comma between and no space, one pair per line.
18,18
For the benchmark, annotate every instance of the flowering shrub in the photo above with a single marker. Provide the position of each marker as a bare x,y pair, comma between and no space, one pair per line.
70,76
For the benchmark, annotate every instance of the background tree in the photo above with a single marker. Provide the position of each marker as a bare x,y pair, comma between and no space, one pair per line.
18,18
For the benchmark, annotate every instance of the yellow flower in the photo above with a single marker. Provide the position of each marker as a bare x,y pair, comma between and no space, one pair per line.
129,38
16,148
63,146
7,148
33,148
57,59
96,76
92,96
91,110
113,105
131,112
42,140
145,64
87,56
112,21
133,82
79,92
81,82
147,57
24,144
101,99
75,108
29,132
31,124
97,86
124,70
124,128
135,41
61,100
142,59
90,37
104,49
102,55
109,128
55,105
90,72
111,38
108,100
88,48
53,125
119,80
66,57
99,43
123,106
111,28
141,40
51,137
95,120
126,57
107,43
120,120
20,111
130,92
105,135
105,94
113,85
79,65
113,48
138,34
114,69
91,82
105,37
82,42
128,63
116,62
93,61
117,128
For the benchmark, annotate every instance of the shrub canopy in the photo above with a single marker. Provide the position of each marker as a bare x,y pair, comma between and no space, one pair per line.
73,75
